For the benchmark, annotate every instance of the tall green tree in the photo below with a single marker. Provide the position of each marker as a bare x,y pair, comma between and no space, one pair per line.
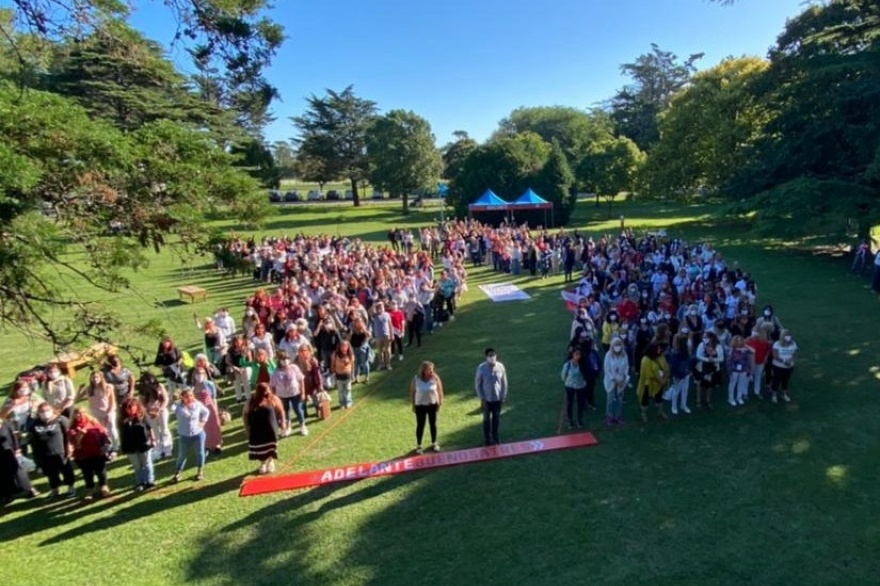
575,130
709,130
455,152
402,153
233,37
655,78
333,130
610,167
257,160
158,180
505,165
555,182
125,78
812,166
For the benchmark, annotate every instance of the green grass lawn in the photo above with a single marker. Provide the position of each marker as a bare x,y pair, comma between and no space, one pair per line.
768,494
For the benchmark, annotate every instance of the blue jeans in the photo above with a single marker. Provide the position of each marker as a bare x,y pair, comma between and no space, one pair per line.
184,443
491,419
361,361
428,324
142,462
296,404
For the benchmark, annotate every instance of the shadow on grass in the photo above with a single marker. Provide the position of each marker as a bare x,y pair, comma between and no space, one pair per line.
146,507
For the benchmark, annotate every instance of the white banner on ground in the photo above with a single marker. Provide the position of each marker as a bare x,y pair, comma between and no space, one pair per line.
504,292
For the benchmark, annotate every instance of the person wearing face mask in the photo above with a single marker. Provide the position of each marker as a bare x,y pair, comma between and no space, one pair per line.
784,354
58,390
138,441
249,322
90,441
191,418
575,388
490,384
739,368
582,320
610,329
653,380
679,372
14,481
225,323
205,391
52,449
616,367
288,384
709,358
102,405
19,410
761,348
769,322
643,337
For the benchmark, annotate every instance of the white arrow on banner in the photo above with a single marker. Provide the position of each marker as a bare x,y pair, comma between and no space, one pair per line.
536,445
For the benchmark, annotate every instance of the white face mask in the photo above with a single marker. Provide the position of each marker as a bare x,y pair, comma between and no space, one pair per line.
199,378
45,415
768,313
617,348
491,359
23,392
786,338
53,374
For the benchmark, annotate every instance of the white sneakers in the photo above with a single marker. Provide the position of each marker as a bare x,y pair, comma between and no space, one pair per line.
303,430
286,433
271,466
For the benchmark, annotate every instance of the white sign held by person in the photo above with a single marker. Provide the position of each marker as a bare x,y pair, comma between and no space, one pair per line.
498,292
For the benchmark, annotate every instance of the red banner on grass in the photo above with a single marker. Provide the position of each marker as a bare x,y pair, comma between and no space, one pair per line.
269,484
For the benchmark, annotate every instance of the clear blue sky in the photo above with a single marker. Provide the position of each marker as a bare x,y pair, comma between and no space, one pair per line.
465,64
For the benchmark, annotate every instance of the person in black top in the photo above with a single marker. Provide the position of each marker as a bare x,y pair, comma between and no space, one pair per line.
14,480
137,441
52,450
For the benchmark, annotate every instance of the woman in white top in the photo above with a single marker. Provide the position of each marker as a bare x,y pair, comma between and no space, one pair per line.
784,354
263,340
616,380
426,394
58,390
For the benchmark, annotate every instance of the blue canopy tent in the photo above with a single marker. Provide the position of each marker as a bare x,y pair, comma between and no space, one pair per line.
531,201
489,203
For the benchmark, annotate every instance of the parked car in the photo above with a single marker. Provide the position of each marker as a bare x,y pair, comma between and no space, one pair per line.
333,195
349,194
275,196
315,195
292,195
378,195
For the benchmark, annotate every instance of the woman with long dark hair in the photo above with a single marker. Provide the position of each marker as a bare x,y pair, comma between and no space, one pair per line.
138,440
263,420
90,450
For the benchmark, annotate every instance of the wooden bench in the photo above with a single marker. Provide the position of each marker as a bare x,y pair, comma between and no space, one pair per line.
93,355
192,292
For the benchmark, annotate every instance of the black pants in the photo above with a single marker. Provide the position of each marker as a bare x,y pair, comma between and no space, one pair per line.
424,412
781,376
415,329
591,391
93,468
571,394
397,345
491,419
57,469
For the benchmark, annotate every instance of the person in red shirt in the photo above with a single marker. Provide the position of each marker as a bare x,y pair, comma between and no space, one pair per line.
760,346
398,325
90,441
628,310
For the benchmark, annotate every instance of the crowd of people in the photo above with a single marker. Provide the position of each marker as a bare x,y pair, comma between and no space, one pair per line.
657,314
330,309
651,314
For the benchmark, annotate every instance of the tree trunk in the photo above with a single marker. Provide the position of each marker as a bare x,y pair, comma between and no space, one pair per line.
355,196
404,197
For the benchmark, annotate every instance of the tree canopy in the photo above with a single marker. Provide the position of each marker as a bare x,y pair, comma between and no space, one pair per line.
403,157
333,135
